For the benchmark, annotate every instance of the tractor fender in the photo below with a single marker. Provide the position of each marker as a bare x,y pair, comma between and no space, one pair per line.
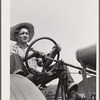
22,88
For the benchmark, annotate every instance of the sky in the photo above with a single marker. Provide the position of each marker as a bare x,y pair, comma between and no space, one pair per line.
73,24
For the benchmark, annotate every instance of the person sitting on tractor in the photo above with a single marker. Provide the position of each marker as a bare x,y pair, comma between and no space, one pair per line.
22,34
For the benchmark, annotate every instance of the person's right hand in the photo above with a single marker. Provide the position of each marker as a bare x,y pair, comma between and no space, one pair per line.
39,62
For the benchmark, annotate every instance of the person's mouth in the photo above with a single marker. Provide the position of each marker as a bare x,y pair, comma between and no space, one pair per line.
25,38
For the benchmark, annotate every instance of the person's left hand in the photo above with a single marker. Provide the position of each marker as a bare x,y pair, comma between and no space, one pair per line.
57,47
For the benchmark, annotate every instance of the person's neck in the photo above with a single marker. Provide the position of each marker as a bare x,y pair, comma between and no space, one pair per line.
23,45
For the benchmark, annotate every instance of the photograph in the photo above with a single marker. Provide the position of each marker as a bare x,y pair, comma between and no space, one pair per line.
53,47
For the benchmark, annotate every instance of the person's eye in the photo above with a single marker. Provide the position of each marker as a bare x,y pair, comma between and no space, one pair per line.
27,33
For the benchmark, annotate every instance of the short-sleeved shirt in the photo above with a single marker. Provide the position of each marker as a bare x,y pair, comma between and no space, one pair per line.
16,49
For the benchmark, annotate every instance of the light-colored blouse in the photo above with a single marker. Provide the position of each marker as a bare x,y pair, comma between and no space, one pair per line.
16,49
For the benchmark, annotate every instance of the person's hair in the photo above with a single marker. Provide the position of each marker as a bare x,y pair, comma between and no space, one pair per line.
19,28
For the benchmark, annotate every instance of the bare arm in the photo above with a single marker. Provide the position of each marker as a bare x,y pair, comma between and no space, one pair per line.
52,54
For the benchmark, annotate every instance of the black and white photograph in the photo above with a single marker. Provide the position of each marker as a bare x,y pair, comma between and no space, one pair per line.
53,46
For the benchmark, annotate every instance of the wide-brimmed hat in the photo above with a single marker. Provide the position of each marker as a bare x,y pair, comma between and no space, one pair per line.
14,28
71,87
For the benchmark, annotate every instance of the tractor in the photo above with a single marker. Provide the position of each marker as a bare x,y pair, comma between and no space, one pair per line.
22,88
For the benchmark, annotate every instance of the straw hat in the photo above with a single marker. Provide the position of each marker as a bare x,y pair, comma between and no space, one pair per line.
71,87
14,28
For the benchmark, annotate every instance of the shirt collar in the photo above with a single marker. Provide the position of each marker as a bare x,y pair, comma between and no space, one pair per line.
20,46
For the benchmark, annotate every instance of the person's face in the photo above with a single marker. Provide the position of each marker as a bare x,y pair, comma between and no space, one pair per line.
23,36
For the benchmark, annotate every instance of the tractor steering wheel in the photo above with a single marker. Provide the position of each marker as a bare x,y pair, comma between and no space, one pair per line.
30,48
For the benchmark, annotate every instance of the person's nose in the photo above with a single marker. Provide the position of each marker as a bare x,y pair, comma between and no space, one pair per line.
25,34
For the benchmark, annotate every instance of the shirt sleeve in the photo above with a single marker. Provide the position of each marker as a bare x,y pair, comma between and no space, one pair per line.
13,49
